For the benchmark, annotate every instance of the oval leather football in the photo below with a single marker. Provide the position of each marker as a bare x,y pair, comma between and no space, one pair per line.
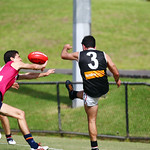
37,57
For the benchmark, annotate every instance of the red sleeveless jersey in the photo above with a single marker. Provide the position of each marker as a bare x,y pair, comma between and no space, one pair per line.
8,76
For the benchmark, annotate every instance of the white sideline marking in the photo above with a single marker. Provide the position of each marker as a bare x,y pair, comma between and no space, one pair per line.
21,145
28,146
14,144
55,149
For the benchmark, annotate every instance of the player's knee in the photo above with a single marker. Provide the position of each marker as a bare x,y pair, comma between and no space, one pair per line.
2,117
21,114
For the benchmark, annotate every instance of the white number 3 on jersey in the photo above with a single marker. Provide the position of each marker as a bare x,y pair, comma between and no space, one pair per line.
94,59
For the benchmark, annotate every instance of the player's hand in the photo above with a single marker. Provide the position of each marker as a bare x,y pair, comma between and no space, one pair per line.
15,86
118,83
50,71
67,47
44,65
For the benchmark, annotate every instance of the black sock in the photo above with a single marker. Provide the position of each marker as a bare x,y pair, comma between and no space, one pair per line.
73,94
8,137
94,145
30,140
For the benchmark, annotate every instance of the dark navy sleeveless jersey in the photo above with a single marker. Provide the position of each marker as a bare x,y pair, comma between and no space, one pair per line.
92,64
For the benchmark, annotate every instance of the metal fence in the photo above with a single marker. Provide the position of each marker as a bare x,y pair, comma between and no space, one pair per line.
127,113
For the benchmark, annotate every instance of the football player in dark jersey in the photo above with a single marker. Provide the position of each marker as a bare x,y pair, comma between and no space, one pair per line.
93,64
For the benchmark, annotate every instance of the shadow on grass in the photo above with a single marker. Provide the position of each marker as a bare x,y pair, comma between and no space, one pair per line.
42,94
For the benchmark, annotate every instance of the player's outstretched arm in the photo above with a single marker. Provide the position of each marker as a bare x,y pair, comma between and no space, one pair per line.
20,65
113,69
31,75
69,56
15,86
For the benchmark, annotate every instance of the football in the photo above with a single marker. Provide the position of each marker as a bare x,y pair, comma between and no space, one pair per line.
37,57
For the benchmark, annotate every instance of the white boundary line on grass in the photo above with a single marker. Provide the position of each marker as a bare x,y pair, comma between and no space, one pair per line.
28,146
14,144
55,149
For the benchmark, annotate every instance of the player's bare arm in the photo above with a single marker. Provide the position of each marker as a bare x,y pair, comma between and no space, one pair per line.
15,86
20,65
69,56
113,69
31,75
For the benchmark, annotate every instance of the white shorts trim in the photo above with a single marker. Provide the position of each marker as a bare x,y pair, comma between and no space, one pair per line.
90,101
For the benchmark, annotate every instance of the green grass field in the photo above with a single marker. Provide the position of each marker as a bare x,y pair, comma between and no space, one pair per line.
121,28
65,143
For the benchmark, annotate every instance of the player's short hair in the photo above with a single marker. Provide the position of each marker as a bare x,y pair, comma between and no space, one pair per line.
89,41
8,54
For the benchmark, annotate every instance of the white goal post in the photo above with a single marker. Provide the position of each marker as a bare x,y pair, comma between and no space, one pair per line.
81,28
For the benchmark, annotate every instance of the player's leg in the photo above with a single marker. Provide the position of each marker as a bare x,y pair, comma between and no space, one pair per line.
73,94
5,124
20,116
10,111
91,112
6,127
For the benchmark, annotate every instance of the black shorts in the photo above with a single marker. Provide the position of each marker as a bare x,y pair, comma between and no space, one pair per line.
0,100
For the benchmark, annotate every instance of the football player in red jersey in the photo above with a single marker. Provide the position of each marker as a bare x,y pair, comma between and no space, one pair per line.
9,73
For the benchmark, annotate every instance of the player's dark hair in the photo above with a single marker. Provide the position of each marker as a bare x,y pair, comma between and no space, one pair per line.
89,41
8,54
